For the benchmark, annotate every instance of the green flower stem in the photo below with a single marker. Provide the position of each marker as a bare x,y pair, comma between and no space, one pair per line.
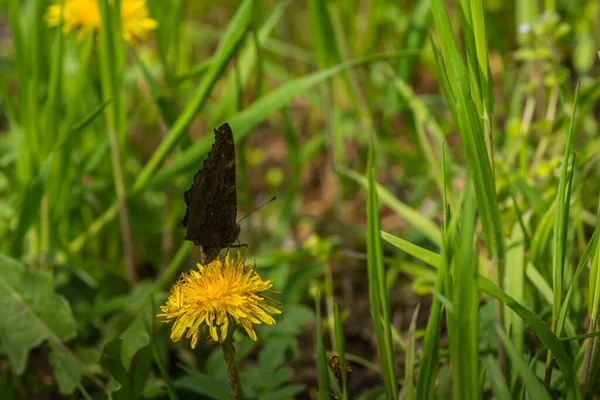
232,371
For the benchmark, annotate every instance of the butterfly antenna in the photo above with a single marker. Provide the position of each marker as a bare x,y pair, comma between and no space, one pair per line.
256,209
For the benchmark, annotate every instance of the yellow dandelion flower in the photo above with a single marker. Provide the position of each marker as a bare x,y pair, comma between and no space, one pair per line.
136,20
84,15
214,294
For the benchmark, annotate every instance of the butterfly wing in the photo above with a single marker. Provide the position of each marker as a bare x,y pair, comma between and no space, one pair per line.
211,202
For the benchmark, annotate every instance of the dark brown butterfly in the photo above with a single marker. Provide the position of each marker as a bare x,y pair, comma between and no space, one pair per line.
211,202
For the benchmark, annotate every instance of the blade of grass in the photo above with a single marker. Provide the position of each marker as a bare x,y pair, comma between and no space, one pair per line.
464,353
587,254
471,129
559,237
380,312
514,285
471,132
431,343
591,362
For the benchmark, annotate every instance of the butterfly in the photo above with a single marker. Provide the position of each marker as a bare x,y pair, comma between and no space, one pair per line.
211,202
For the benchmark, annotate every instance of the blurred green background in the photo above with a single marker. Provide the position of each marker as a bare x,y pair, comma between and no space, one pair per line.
477,119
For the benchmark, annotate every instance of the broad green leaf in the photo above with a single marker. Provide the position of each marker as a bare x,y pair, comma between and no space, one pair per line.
32,313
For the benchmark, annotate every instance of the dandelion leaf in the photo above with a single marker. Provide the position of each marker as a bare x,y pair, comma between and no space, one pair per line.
31,312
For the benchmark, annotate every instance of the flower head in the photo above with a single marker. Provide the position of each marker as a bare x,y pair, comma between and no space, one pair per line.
84,15
214,294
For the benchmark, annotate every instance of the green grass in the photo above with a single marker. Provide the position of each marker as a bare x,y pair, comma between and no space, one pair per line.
436,224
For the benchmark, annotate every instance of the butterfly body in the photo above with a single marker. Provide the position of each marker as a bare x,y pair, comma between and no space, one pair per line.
211,202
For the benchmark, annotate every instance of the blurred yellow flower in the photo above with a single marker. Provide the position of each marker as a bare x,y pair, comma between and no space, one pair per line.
84,15
214,294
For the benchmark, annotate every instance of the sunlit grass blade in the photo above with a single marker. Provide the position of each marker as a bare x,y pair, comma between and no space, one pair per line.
583,262
380,311
481,50
591,364
559,232
464,354
431,343
471,131
427,256
514,284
